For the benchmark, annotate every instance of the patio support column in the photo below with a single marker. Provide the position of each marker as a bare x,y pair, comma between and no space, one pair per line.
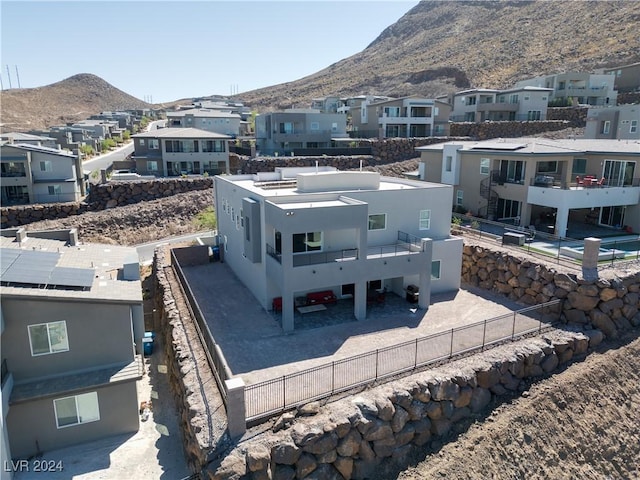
424,287
562,218
288,312
360,301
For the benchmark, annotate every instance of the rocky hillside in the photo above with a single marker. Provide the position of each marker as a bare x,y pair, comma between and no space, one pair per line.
441,47
72,99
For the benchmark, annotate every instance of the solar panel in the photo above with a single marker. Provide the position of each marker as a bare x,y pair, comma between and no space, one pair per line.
35,267
72,277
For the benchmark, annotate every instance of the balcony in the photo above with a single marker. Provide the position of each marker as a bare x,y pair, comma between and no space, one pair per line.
586,195
497,107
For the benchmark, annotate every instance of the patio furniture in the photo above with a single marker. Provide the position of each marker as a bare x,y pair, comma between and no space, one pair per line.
579,181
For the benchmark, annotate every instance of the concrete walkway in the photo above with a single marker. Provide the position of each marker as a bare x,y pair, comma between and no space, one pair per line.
256,348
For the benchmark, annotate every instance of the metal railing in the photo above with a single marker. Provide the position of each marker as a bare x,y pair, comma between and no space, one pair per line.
215,357
546,245
273,396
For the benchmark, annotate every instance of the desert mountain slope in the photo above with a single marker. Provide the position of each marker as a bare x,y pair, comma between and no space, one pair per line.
440,47
72,99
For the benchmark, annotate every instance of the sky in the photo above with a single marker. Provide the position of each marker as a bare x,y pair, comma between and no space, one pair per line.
161,51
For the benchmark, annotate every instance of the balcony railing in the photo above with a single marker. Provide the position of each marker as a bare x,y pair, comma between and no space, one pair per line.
316,258
549,181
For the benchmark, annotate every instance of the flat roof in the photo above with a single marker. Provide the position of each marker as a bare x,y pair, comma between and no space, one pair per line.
187,132
281,187
543,146
72,264
38,148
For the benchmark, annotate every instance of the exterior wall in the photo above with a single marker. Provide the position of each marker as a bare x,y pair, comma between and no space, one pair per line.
35,421
343,227
585,88
63,168
98,334
223,124
627,78
624,122
270,140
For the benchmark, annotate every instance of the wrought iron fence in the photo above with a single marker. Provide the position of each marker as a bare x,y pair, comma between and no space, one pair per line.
272,396
214,354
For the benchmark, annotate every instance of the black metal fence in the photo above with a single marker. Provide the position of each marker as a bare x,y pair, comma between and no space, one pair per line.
273,396
214,354
562,250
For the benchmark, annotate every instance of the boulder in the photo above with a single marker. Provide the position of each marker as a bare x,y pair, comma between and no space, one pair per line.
582,302
258,458
604,323
305,465
285,453
350,444
480,399
400,418
344,465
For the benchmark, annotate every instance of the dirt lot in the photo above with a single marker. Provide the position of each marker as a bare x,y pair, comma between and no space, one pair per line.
582,423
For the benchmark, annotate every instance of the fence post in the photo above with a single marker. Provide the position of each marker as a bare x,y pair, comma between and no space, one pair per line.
415,357
333,377
284,392
451,346
236,409
513,329
484,334
376,365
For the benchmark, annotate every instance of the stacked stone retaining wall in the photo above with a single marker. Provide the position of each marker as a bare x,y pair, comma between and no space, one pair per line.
487,130
351,438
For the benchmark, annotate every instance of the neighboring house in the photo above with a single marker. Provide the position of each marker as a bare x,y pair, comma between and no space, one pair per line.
32,174
515,104
627,77
621,122
71,320
296,231
29,139
328,104
100,129
176,151
125,119
216,121
347,103
71,138
284,132
542,182
583,88
401,117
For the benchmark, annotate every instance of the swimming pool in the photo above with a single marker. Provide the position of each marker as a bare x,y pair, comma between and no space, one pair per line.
603,254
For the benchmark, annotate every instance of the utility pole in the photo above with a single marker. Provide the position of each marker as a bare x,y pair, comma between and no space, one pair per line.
18,76
9,75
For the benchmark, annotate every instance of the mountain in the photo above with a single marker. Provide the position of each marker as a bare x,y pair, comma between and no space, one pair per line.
69,100
437,47
440,47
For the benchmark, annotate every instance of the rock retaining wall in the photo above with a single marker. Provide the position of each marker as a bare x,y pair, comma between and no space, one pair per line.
486,130
608,305
353,437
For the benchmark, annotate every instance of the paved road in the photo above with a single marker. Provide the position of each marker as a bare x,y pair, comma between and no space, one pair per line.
106,160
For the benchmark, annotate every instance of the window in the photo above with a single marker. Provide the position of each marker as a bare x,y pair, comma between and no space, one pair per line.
307,242
533,115
46,338
153,143
392,131
512,171
459,197
391,111
606,127
142,142
471,100
55,190
579,166
547,167
180,146
634,126
485,165
508,208
435,270
152,165
334,127
425,220
45,166
286,127
513,98
448,163
315,126
209,146
77,409
378,221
